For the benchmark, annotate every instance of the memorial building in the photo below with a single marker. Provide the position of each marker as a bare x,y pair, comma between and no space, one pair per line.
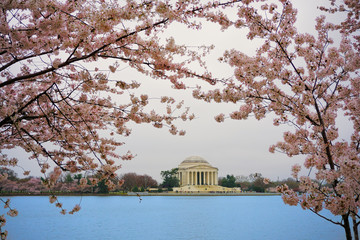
197,171
196,175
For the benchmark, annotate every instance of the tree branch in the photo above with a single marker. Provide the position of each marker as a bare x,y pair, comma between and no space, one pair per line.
76,59
327,219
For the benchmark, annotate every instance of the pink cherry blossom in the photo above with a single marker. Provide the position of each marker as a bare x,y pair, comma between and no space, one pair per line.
307,81
55,107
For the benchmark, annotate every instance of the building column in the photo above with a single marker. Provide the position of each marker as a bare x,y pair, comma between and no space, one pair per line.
207,178
188,178
192,178
196,178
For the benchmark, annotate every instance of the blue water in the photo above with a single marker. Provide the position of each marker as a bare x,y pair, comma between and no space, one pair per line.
201,217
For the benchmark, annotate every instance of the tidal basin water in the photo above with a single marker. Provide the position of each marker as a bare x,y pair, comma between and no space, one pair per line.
168,217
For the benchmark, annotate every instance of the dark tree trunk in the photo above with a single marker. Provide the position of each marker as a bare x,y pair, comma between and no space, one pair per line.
347,227
355,229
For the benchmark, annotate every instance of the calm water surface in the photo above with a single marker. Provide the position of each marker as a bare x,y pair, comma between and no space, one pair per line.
201,217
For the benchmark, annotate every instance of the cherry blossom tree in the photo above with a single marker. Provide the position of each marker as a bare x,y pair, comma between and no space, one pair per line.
50,94
307,81
65,111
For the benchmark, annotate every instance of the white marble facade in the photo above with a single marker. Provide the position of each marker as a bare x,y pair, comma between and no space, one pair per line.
197,171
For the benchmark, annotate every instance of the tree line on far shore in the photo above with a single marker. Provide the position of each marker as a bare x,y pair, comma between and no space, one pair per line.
71,183
255,182
132,182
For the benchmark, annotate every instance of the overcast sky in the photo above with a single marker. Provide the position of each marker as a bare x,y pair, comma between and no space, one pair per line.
234,147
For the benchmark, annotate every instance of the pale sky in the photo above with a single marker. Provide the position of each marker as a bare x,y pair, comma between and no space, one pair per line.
234,147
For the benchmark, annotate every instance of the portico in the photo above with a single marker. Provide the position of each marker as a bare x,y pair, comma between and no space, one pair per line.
197,176
197,171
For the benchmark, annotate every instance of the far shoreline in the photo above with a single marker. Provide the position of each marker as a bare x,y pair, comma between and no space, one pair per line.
137,194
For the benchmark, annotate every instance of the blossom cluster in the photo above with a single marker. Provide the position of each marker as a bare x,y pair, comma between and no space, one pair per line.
12,212
50,96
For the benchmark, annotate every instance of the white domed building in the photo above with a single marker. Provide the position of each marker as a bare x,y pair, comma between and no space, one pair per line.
195,170
196,175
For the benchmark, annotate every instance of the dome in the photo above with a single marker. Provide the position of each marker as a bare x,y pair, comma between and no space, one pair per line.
193,161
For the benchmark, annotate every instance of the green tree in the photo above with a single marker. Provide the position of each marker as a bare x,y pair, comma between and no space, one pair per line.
68,178
229,181
78,177
102,187
169,178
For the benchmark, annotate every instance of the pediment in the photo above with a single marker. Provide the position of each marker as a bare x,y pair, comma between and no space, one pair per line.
201,167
